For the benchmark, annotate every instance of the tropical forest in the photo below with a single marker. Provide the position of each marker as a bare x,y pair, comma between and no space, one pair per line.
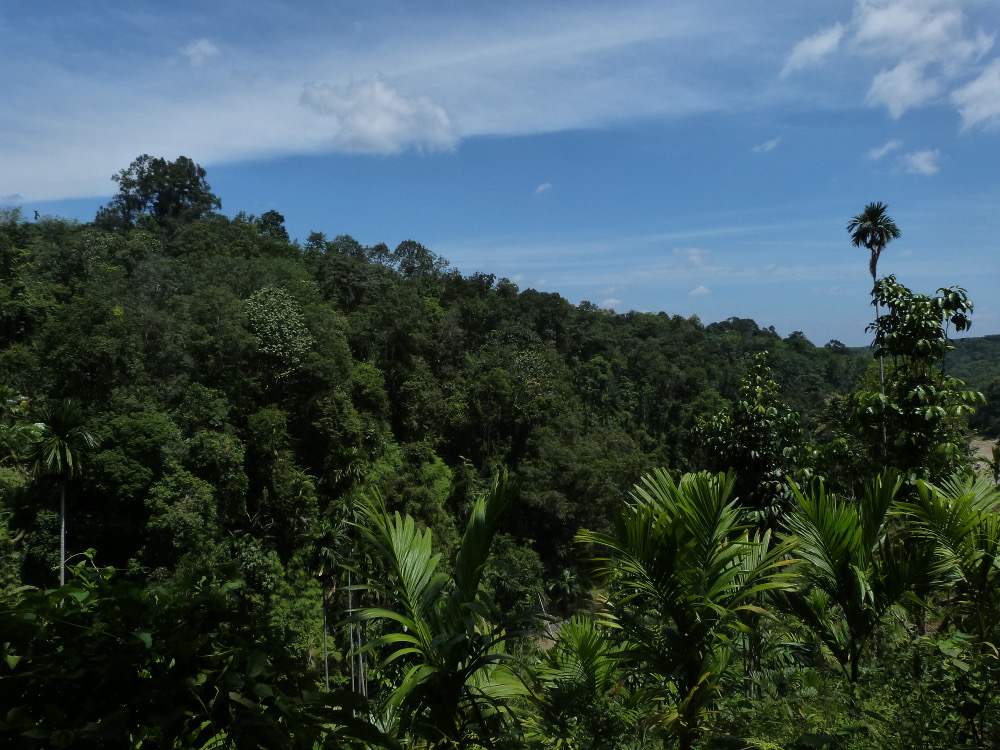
264,492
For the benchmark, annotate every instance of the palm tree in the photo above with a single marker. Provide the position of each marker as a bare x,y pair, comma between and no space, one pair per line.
855,568
443,630
62,442
585,699
961,517
684,578
873,228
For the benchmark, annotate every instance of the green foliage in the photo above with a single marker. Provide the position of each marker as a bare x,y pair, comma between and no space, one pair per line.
445,639
279,329
159,189
103,663
759,438
873,229
684,578
247,390
961,519
913,422
61,440
585,699
854,567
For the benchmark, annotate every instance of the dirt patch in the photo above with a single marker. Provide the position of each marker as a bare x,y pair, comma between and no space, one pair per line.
983,456
983,448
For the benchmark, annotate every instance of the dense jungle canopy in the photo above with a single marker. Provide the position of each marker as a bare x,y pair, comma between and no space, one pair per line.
254,449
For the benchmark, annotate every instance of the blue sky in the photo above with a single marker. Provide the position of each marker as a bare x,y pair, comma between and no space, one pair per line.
701,158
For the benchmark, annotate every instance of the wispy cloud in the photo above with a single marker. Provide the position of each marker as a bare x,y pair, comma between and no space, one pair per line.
699,291
922,162
979,101
200,51
380,83
903,87
877,153
813,49
370,116
927,43
543,188
611,303
918,52
694,256
763,148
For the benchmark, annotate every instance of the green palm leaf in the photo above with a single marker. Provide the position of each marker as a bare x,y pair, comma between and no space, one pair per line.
683,576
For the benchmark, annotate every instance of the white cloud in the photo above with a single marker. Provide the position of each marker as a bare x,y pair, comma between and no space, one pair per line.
978,102
902,88
200,51
699,291
925,30
763,148
695,256
544,187
611,303
877,153
927,44
813,48
922,162
371,117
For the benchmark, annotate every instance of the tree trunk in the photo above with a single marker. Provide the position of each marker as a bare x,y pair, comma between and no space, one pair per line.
326,650
62,534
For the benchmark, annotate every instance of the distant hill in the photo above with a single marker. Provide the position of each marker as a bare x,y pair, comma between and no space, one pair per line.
977,361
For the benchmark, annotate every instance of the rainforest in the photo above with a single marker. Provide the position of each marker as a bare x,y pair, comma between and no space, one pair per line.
258,492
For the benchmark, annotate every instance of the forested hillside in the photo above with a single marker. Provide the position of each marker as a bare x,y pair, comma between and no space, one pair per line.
977,361
228,422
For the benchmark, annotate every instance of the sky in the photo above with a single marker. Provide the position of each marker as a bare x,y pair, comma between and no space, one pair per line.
699,158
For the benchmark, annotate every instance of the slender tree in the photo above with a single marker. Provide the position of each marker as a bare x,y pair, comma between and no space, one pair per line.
62,442
873,228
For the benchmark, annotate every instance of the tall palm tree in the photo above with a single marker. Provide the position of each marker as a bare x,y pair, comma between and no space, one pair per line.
684,578
62,442
873,228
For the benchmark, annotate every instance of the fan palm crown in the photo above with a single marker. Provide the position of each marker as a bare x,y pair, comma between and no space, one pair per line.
873,229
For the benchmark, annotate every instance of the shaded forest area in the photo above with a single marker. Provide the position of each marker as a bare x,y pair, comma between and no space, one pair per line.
254,443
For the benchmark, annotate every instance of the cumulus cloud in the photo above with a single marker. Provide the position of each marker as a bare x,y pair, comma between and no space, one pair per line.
813,48
699,291
544,187
200,52
371,117
877,153
695,256
978,102
922,162
763,148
